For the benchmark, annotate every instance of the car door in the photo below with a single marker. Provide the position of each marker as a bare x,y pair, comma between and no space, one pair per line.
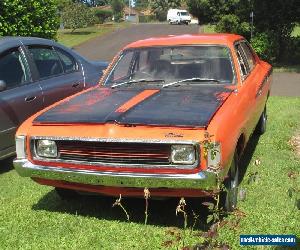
258,76
19,99
59,74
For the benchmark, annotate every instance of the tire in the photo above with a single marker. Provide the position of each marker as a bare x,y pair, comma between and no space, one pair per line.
261,126
230,194
66,194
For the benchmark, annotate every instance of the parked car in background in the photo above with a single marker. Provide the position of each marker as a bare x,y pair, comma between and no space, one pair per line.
35,73
178,16
173,115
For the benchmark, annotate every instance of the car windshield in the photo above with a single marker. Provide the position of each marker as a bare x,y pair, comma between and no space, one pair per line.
183,13
205,64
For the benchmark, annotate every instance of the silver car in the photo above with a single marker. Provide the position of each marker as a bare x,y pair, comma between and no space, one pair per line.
35,73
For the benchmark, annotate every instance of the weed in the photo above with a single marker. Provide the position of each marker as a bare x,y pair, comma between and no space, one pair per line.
118,203
146,196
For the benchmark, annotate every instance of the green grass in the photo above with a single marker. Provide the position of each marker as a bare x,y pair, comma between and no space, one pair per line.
289,68
209,28
296,31
34,217
79,36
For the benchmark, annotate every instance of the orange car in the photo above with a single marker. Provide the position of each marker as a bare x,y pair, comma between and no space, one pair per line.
171,114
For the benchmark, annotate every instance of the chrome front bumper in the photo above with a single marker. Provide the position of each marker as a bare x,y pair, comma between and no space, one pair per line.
202,180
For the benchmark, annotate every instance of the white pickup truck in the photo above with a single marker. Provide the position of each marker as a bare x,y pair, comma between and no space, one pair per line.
178,16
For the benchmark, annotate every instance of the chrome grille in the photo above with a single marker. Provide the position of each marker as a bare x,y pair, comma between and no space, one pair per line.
114,152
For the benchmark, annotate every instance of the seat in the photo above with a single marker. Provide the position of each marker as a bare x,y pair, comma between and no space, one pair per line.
189,71
48,68
161,69
11,71
221,69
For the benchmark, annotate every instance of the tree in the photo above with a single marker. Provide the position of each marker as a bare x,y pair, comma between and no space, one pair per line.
117,7
29,18
77,15
273,21
160,7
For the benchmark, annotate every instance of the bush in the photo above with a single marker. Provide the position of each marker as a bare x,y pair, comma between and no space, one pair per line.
102,15
232,24
147,19
266,46
77,15
36,18
161,16
292,52
117,7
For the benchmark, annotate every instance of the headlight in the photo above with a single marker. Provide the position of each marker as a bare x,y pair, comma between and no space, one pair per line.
21,147
46,148
183,154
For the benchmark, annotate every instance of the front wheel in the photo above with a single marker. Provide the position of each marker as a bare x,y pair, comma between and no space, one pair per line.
230,194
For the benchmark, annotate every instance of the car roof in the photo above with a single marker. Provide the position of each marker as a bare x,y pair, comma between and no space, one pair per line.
194,39
6,39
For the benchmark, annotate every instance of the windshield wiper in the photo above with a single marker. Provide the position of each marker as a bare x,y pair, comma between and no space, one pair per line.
194,79
136,81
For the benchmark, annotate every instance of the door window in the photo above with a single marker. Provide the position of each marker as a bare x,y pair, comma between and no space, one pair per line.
68,62
14,70
249,56
244,68
47,61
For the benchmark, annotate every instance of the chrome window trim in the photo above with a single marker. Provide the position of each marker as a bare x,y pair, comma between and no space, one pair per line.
119,165
124,51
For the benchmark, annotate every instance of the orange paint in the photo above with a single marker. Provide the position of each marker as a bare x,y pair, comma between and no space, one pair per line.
136,100
235,119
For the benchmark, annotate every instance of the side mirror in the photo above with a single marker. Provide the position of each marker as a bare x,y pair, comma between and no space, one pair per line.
2,85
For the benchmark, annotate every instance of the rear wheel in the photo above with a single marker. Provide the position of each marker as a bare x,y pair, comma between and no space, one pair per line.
261,126
230,194
66,194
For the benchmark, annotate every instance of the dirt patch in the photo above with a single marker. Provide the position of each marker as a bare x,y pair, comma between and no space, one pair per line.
295,142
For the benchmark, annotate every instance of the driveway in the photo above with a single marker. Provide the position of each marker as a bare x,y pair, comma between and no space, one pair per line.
105,47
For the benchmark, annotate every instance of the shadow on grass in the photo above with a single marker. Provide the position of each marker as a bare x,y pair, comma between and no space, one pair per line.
6,165
247,156
161,212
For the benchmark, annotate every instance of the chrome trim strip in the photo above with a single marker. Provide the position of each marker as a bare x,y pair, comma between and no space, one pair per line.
120,165
202,180
9,129
7,152
92,139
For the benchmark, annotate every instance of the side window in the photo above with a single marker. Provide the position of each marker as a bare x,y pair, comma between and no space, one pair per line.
47,61
68,62
14,70
122,67
249,56
242,61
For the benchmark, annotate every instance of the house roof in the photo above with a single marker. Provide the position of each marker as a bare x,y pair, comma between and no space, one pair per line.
126,9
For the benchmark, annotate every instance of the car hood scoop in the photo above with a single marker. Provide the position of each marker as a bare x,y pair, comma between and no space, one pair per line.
178,106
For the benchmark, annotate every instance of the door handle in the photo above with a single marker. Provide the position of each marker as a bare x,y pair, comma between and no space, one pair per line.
75,85
260,92
30,98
